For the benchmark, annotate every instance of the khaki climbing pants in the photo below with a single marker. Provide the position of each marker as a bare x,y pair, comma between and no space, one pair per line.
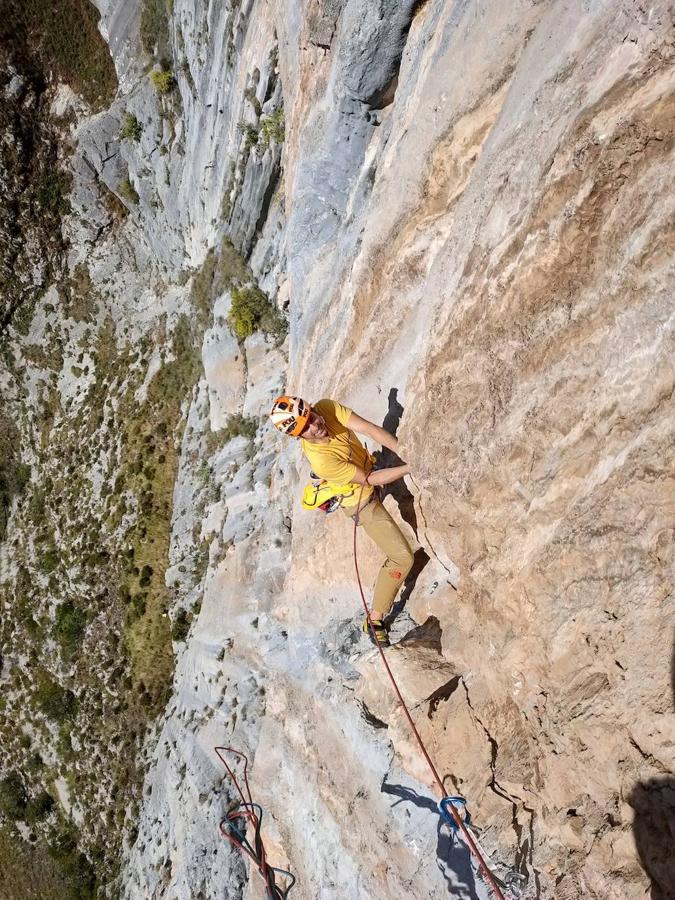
381,528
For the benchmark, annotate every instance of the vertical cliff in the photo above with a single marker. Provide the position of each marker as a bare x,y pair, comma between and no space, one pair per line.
453,217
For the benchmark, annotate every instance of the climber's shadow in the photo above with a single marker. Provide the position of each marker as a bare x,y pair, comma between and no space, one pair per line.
404,500
398,490
654,826
454,857
654,804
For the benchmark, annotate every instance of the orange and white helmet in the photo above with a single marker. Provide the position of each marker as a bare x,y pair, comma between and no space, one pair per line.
290,415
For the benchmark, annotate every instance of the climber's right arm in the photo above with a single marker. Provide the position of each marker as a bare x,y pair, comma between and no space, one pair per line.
381,476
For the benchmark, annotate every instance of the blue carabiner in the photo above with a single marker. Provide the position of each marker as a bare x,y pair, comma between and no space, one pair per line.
462,811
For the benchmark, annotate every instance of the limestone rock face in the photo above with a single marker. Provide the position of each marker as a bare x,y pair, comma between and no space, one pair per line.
464,212
477,238
223,367
509,294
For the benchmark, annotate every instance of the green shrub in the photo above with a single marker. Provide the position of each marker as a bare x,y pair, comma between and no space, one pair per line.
54,701
163,80
181,626
250,133
244,312
74,865
138,606
38,808
219,272
35,763
49,560
127,191
250,95
185,69
36,507
14,475
238,425
13,797
65,37
231,267
130,129
272,129
53,193
71,622
252,311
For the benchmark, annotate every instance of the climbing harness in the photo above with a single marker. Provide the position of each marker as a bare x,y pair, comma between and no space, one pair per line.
322,494
319,494
234,825
449,807
376,495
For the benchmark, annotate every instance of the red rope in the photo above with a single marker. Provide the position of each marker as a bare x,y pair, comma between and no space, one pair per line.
455,815
250,815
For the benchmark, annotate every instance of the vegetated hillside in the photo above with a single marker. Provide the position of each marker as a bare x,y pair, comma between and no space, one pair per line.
477,251
458,215
101,348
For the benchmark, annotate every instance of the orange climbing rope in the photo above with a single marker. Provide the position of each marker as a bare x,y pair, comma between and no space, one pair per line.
455,815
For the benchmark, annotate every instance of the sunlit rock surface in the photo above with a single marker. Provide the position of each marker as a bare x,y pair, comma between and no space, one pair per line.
469,224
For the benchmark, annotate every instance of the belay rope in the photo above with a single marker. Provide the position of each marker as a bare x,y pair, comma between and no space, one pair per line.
234,829
446,806
451,809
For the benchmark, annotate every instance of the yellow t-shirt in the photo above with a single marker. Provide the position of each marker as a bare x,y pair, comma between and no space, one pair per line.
338,459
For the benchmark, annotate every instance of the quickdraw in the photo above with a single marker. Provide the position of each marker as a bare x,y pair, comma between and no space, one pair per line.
459,806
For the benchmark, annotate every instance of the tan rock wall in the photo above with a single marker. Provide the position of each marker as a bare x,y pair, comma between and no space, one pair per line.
516,275
480,244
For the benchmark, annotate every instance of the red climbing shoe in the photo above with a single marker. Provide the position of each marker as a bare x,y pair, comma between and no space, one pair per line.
378,634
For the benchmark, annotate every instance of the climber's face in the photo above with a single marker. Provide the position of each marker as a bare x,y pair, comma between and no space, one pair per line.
315,428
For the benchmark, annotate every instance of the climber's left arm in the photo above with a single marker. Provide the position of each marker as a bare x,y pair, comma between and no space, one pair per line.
371,430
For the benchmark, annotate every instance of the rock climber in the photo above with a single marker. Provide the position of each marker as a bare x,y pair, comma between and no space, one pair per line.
326,432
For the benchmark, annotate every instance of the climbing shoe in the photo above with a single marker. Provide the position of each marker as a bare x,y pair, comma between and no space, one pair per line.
381,632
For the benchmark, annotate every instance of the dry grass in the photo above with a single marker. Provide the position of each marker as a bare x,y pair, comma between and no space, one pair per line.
66,38
30,871
151,464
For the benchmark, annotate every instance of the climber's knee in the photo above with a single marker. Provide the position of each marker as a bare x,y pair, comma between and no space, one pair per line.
400,565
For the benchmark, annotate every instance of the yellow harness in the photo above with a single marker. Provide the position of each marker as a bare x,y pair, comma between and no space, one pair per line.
319,494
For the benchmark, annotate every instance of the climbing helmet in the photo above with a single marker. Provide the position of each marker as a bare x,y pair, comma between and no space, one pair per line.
290,415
